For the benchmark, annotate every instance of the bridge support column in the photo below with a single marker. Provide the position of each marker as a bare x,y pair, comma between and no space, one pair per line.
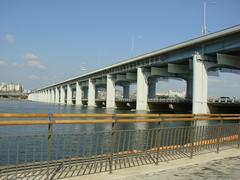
42,97
48,96
152,89
62,95
69,94
56,96
126,91
51,96
110,92
91,93
200,86
45,96
78,94
142,90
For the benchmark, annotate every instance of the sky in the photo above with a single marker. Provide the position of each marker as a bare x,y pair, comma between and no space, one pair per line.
46,41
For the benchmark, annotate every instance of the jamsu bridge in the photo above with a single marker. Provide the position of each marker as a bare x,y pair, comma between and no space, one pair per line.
191,61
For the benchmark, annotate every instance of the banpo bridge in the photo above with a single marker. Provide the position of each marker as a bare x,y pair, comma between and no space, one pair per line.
191,61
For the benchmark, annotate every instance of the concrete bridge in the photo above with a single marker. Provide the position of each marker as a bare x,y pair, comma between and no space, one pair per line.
191,61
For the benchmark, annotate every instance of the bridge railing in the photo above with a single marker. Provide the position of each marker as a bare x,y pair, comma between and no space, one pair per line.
117,143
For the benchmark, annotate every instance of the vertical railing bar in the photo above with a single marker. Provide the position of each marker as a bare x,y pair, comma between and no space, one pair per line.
172,134
84,147
196,138
97,144
118,141
63,152
17,159
49,138
41,157
70,149
200,139
183,140
8,159
174,144
178,136
146,148
34,157
151,144
213,136
56,150
112,143
214,139
186,130
193,129
25,163
238,134
184,137
129,141
78,144
219,135
167,140
148,139
158,139
180,140
123,147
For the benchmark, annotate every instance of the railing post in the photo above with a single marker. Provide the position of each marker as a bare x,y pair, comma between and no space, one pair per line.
158,139
192,138
112,143
238,133
49,144
219,135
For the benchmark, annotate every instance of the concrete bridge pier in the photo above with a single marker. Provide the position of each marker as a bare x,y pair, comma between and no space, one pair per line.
62,95
69,94
200,84
142,90
110,99
91,93
152,89
47,98
56,95
53,95
78,94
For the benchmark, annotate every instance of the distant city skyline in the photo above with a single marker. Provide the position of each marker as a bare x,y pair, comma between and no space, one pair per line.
42,42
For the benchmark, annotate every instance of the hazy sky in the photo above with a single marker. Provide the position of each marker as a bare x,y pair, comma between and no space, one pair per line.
46,41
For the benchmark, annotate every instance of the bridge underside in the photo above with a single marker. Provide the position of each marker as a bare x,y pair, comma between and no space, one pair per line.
171,107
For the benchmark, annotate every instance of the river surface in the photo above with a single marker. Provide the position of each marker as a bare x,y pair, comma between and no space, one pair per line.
17,143
26,143
37,107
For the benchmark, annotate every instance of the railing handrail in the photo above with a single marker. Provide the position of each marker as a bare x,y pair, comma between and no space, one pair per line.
109,118
69,115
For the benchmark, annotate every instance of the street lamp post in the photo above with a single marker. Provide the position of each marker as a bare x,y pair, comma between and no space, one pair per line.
204,26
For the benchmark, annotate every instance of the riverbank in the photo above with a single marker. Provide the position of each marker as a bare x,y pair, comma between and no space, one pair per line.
225,165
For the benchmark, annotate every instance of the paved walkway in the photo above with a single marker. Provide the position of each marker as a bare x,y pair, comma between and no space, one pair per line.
222,166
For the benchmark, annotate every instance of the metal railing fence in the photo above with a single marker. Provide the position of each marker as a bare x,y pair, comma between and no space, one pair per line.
56,155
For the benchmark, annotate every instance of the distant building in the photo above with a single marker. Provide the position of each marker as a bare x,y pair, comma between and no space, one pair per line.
171,94
11,87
